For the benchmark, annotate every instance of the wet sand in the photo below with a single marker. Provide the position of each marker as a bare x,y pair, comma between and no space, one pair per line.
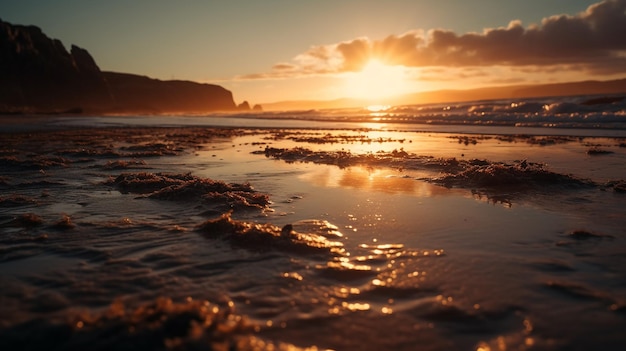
273,238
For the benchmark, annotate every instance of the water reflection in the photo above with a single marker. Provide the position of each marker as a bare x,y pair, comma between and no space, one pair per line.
370,179
307,282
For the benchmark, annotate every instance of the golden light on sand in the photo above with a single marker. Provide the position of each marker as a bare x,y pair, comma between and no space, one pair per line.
377,80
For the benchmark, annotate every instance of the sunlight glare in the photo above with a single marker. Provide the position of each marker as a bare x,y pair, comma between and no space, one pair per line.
377,81
378,108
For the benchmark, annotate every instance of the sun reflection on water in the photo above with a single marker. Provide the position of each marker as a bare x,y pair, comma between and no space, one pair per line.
356,306
378,108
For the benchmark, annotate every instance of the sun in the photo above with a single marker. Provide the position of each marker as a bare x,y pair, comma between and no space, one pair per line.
377,81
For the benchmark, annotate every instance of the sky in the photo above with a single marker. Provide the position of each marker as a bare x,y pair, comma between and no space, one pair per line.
277,50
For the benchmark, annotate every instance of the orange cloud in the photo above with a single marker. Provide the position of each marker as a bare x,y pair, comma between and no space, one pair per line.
593,40
284,67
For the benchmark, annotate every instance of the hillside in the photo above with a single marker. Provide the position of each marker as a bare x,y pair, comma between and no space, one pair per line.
517,92
488,93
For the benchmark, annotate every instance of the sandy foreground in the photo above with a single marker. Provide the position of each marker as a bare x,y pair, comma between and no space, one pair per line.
290,238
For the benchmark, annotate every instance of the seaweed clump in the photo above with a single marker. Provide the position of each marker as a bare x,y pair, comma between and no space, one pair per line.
16,200
266,237
594,151
26,220
185,187
585,235
396,159
33,162
618,186
145,183
159,325
519,174
119,164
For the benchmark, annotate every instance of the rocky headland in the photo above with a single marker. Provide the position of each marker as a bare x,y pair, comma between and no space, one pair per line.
39,75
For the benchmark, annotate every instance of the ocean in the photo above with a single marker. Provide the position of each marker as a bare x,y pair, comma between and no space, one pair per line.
490,225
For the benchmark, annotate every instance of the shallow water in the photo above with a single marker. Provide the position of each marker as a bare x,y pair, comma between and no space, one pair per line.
381,255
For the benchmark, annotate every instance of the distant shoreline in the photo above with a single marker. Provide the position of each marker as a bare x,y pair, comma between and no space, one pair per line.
59,123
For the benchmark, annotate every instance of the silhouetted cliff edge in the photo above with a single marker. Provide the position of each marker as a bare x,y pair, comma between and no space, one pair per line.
38,75
133,93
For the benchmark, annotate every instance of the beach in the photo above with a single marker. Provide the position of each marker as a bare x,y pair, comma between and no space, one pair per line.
286,234
355,176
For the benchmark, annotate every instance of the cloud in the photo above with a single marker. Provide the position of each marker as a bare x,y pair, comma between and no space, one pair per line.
593,40
450,74
284,67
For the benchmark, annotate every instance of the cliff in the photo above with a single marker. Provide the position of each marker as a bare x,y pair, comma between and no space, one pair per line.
136,94
38,74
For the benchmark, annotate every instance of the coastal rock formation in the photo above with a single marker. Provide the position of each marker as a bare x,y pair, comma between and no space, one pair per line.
244,106
39,75
136,94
